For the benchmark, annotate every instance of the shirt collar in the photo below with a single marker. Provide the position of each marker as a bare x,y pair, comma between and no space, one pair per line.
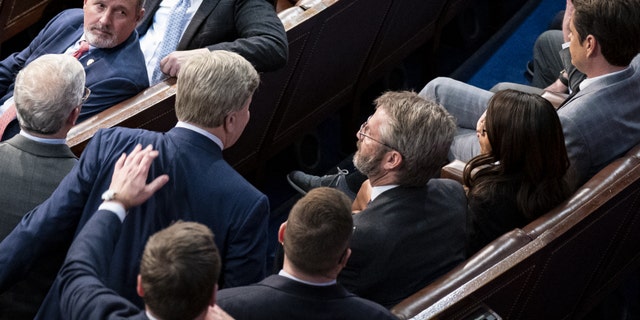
42,140
201,131
317,284
588,81
377,190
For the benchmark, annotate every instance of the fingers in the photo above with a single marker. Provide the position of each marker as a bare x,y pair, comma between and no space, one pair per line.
157,183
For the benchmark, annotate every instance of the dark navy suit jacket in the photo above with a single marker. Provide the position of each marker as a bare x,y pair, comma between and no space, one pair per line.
84,295
278,297
113,74
202,187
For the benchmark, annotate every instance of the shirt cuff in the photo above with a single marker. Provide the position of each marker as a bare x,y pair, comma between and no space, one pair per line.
114,207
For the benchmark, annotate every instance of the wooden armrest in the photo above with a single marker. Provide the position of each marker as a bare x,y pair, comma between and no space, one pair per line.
453,170
140,111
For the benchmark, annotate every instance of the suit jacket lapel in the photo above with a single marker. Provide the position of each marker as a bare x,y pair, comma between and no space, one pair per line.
600,85
199,18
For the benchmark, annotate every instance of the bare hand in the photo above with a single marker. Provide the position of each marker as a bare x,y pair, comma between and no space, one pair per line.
171,64
363,197
130,176
216,313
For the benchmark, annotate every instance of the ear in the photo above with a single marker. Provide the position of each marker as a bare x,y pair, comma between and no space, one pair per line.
283,227
345,258
73,116
213,296
392,160
590,45
230,121
139,288
140,15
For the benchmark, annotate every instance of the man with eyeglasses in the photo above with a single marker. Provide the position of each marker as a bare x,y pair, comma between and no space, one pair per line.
48,96
413,228
103,38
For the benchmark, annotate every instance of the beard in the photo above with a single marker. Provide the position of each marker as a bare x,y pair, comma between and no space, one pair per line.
100,37
369,165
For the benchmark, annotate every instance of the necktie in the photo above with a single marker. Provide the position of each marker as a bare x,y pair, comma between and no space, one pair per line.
84,47
6,118
171,36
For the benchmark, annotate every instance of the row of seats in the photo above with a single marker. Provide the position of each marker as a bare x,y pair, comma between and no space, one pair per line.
16,16
336,48
557,267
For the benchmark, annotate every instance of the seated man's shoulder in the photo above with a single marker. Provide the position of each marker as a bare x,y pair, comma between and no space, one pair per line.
446,187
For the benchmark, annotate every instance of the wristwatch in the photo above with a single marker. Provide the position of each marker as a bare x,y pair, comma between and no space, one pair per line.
109,195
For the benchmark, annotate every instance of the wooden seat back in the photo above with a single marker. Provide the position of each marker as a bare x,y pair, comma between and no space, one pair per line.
578,252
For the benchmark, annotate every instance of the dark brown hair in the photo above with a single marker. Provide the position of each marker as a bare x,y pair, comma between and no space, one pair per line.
318,231
527,152
613,23
179,270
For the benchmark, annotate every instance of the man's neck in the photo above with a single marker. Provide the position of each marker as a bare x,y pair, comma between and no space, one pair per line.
603,69
295,272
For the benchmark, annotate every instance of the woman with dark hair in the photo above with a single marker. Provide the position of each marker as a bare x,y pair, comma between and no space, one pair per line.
519,174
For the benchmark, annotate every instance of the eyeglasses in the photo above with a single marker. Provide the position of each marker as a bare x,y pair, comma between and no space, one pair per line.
86,94
361,135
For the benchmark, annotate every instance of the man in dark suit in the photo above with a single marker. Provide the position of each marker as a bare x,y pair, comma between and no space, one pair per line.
250,28
180,264
114,64
212,106
316,247
48,96
413,228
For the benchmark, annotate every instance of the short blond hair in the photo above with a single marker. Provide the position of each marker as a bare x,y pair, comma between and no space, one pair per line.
212,85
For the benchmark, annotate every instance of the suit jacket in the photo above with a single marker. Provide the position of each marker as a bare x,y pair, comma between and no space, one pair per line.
405,239
84,295
30,171
278,297
202,187
602,122
250,28
113,74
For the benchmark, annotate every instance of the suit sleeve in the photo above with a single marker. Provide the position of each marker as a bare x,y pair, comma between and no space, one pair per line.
52,224
261,36
245,262
577,150
84,296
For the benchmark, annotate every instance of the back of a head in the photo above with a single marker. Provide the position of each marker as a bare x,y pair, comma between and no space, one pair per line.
527,142
46,91
421,130
318,231
212,85
614,24
179,270
526,135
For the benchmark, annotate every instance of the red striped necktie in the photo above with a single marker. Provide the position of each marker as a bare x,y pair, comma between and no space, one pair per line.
84,47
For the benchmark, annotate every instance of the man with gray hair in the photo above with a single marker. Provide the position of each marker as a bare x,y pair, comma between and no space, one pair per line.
212,106
48,96
102,37
413,228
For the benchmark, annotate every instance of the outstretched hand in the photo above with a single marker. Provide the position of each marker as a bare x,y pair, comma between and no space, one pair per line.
130,176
